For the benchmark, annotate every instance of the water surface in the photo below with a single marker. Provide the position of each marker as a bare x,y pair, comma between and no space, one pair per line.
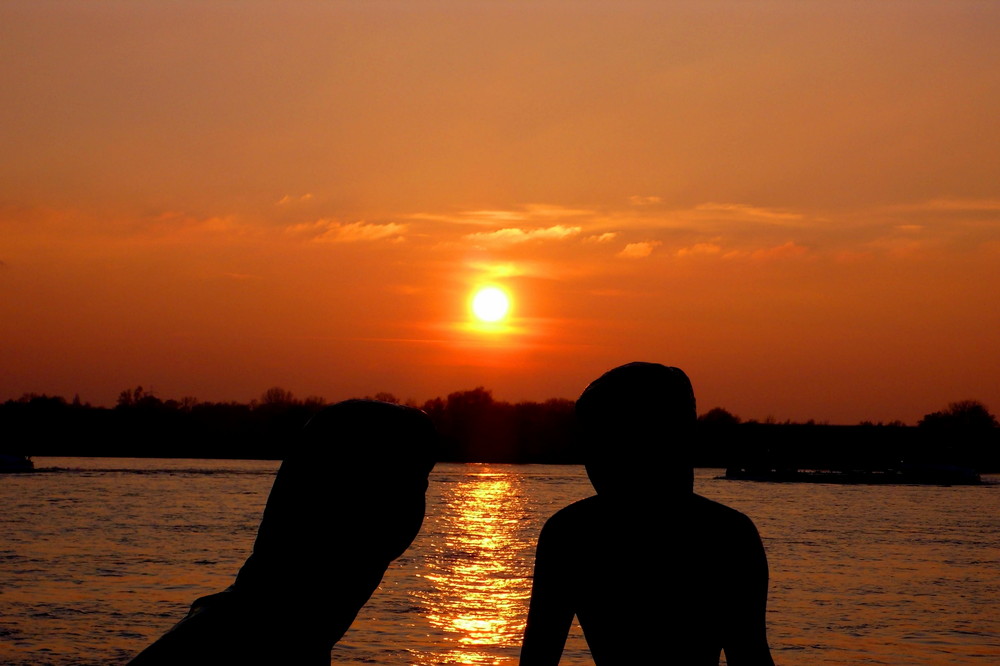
100,556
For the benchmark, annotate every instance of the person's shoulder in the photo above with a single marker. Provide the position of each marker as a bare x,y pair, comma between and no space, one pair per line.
576,510
570,517
722,515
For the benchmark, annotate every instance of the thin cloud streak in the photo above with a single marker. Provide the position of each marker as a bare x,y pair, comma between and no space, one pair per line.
527,214
699,249
329,231
950,205
747,212
515,235
606,237
639,250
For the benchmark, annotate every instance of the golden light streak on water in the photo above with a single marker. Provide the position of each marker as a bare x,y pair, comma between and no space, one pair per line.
479,579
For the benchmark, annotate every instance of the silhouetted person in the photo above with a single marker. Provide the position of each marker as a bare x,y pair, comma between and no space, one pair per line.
655,573
345,504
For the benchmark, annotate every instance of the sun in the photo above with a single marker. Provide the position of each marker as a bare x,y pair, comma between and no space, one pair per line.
490,304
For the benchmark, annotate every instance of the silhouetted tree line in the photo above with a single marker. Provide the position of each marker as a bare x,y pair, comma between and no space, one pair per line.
963,435
474,427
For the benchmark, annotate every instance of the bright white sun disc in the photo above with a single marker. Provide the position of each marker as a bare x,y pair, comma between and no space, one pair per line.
490,304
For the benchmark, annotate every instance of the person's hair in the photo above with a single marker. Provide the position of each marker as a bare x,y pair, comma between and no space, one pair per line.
395,438
636,421
648,391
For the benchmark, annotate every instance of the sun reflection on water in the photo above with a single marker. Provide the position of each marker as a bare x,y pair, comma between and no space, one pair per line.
479,576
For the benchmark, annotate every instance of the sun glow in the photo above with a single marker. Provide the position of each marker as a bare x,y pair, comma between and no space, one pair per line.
490,304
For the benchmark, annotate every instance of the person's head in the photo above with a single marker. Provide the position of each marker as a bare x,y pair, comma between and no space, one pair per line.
373,443
354,485
636,424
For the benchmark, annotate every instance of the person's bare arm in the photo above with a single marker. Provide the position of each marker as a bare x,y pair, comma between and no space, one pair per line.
745,643
551,612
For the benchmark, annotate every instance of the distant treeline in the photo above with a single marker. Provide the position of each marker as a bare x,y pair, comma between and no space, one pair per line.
474,427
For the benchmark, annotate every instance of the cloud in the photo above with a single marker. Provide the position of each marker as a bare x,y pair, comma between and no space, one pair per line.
550,211
601,238
176,225
638,250
636,200
789,250
498,271
748,212
492,216
361,231
785,251
328,231
480,218
512,235
287,199
699,248
543,213
953,205
900,246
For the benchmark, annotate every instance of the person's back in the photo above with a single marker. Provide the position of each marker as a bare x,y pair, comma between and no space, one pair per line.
655,573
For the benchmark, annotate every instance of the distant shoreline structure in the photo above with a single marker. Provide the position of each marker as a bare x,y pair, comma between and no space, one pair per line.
930,475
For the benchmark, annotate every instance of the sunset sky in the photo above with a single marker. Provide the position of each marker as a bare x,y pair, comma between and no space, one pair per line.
796,202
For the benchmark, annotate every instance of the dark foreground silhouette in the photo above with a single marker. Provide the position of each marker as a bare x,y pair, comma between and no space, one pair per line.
347,503
655,573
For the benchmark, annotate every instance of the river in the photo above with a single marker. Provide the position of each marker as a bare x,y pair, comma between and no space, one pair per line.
101,555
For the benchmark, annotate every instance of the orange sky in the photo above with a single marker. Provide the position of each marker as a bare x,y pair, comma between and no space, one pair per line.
798,203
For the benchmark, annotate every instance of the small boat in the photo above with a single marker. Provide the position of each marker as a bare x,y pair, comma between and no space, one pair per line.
11,464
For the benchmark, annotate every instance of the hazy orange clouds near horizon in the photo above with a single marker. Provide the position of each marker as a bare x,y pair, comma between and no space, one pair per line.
797,203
